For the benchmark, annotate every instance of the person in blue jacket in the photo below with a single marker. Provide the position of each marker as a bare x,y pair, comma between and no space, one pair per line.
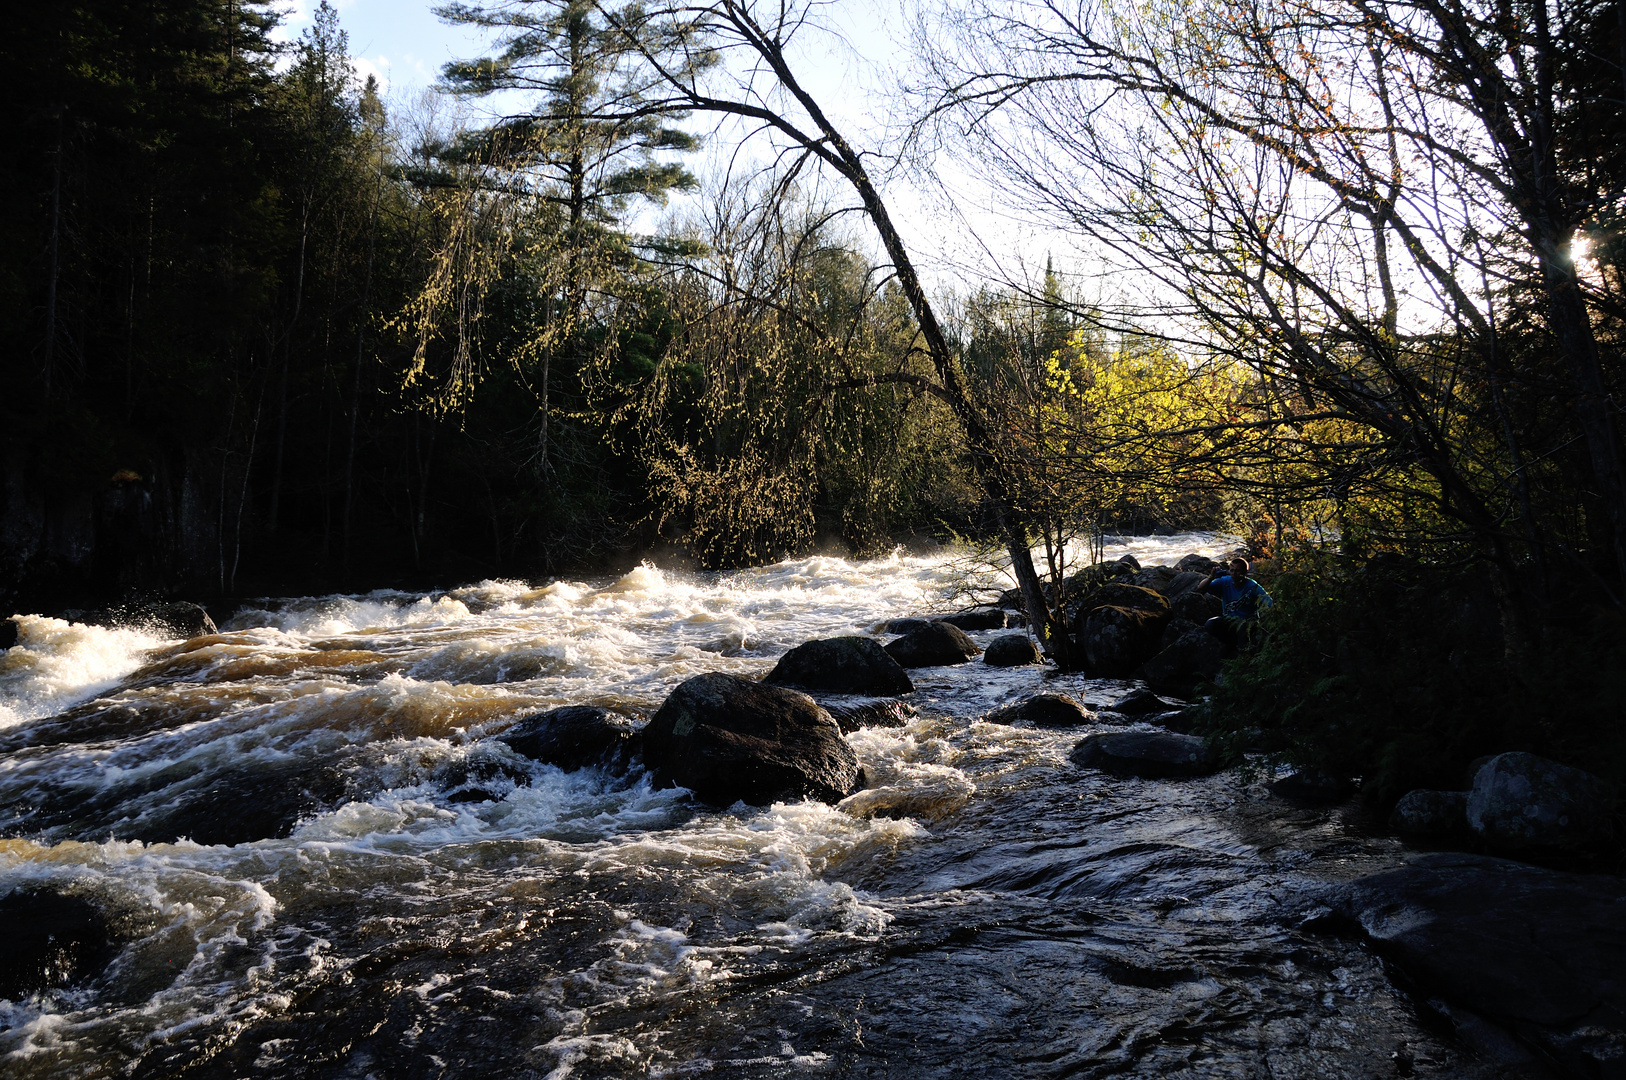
1241,601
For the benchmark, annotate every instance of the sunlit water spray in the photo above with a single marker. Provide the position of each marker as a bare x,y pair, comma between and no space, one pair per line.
325,867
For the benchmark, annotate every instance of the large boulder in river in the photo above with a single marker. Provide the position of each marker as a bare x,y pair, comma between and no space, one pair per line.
1196,564
574,737
1181,583
1431,813
841,665
1117,640
850,716
1536,950
1523,802
1153,754
983,618
935,646
1182,667
182,618
730,740
1043,710
1011,650
1195,606
1121,594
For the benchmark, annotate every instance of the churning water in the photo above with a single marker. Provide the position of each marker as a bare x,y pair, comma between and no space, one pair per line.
324,867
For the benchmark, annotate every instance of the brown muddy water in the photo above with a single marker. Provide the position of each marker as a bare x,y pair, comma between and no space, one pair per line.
322,866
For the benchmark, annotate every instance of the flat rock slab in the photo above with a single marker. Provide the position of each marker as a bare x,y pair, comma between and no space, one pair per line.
1043,710
1539,950
936,645
841,665
730,740
1151,754
575,737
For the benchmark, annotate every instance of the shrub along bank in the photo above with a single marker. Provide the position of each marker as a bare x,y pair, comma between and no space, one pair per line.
1402,673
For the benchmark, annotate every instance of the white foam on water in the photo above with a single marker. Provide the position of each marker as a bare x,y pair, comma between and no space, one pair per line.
455,668
56,664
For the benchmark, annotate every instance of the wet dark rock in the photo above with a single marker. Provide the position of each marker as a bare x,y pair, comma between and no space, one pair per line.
8,632
1117,640
1523,802
1180,668
1195,607
1181,583
1011,650
887,713
906,626
56,939
729,739
1196,564
1154,577
1124,595
1431,813
842,665
1537,950
1152,754
1173,630
184,618
575,737
1145,703
1043,710
179,618
1312,786
983,618
1131,562
936,645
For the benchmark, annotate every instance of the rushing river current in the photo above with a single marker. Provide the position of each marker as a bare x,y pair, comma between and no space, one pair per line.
323,866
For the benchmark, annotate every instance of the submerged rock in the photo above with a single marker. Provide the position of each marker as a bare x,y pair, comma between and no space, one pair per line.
730,740
55,939
841,665
887,713
1312,786
1523,802
936,645
1537,950
1182,667
575,737
1431,813
983,618
8,632
1011,650
1145,703
1152,754
1043,710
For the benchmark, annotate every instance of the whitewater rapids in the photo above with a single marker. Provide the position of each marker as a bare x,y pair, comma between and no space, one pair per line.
328,869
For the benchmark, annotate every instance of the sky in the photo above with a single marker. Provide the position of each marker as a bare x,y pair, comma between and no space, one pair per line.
850,71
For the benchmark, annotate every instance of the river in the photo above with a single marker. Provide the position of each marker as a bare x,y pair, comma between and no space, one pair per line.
323,867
